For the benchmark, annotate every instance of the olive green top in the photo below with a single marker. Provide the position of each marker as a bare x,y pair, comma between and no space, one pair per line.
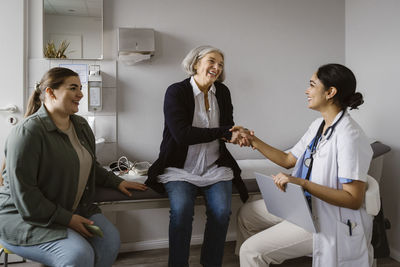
41,180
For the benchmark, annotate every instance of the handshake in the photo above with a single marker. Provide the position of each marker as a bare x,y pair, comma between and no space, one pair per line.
242,136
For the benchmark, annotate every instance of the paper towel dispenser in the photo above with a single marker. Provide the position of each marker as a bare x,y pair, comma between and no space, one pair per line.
135,44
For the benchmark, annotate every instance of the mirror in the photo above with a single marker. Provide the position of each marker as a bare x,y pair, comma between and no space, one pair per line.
73,29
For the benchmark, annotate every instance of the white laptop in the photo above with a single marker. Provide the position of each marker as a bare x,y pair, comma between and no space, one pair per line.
290,205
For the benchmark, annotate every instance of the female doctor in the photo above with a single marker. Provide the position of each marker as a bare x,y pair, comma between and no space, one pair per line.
330,162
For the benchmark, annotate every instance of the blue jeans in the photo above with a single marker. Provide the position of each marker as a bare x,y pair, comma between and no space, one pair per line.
182,197
75,250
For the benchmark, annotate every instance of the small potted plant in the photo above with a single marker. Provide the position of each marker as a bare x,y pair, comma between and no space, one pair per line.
50,50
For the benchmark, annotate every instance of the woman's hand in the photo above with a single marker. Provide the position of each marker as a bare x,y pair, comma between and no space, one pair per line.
235,137
77,223
241,136
124,187
281,179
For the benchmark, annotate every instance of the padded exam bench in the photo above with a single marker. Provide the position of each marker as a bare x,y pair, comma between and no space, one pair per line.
112,200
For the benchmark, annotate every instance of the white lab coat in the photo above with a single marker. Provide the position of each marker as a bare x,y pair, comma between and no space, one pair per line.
347,154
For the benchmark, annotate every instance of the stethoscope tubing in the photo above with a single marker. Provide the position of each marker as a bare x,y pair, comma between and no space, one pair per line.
326,135
316,143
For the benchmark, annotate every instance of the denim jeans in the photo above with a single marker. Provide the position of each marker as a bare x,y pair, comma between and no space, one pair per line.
75,250
182,197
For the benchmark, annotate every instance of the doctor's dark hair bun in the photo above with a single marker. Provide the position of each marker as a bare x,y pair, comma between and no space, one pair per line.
355,101
343,79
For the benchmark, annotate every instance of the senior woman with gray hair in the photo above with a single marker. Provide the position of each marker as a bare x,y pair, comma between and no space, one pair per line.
193,157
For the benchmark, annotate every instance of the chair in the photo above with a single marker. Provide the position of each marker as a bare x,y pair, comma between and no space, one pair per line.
380,224
2,249
6,252
372,197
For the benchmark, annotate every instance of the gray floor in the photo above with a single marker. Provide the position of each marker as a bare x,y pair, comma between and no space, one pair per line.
159,258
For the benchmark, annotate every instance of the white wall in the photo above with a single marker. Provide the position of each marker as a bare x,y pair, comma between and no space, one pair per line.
12,68
271,50
372,51
13,61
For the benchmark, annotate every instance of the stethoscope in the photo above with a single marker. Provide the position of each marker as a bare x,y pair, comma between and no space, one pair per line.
308,162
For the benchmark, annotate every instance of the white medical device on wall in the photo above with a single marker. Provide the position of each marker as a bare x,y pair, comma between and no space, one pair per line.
135,45
95,98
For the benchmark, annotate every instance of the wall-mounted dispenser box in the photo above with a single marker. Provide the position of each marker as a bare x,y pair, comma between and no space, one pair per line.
135,44
95,97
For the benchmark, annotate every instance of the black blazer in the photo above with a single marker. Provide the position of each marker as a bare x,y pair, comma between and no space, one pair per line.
179,133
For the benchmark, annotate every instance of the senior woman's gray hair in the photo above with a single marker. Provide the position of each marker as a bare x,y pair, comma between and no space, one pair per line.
195,55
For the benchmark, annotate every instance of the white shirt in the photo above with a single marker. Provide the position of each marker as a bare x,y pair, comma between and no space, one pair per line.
347,154
200,168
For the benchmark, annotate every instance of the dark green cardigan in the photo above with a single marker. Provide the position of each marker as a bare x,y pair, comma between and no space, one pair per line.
41,180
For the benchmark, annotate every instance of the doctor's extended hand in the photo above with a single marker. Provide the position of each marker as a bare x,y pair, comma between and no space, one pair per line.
241,136
124,187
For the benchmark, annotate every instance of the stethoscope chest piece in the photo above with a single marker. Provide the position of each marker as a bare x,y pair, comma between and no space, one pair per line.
307,162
